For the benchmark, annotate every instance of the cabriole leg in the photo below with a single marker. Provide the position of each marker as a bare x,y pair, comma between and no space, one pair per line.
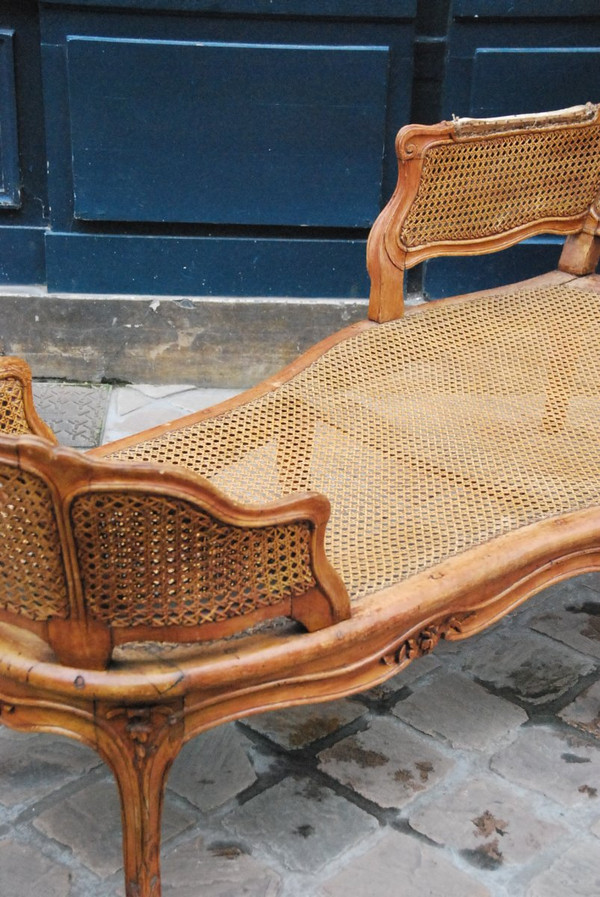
139,744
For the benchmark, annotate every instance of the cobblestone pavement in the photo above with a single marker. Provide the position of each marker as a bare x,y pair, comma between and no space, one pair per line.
475,773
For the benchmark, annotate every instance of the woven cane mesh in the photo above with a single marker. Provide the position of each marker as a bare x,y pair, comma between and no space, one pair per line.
12,413
32,578
527,177
156,561
429,435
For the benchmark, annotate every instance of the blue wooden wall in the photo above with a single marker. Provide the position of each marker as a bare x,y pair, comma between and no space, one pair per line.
505,57
244,147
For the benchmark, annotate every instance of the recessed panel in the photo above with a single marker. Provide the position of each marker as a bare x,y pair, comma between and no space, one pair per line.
22,257
377,9
226,133
530,9
529,79
188,266
9,153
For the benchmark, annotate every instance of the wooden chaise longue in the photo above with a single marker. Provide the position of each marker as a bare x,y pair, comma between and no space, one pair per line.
413,477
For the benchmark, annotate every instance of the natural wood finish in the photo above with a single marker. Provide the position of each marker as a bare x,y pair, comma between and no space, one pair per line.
581,253
101,554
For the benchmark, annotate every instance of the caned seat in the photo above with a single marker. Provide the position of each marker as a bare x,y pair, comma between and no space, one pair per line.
413,477
430,434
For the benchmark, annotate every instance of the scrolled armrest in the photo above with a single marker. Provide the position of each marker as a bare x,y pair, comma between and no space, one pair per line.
151,552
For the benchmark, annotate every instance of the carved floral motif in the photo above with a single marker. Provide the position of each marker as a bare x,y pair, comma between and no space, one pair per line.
424,642
142,725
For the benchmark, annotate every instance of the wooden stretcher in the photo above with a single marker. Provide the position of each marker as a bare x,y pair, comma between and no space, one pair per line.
411,478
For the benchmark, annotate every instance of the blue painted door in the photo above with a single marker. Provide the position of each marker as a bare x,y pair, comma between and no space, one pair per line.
244,152
23,193
244,147
507,58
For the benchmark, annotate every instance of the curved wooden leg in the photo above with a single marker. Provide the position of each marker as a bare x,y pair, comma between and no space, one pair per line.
139,744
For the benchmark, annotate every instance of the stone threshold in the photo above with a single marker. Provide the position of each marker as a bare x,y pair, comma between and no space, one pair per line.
210,341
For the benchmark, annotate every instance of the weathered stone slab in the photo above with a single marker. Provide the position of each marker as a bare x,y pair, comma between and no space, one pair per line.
135,408
33,765
531,665
213,768
296,727
303,824
401,865
487,823
193,870
457,710
130,398
564,768
25,872
584,711
576,872
89,822
572,616
230,342
387,763
420,667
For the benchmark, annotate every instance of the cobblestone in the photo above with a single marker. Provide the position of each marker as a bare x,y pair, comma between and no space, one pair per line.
584,711
26,873
531,666
488,821
419,668
564,767
387,763
211,770
573,618
297,727
89,823
303,824
33,765
576,873
456,710
192,870
421,870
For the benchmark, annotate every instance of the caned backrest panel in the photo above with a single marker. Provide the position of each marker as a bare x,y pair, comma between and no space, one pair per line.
485,184
158,560
12,410
32,573
479,185
17,411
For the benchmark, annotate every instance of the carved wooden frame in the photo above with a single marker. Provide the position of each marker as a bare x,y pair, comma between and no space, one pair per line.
137,715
